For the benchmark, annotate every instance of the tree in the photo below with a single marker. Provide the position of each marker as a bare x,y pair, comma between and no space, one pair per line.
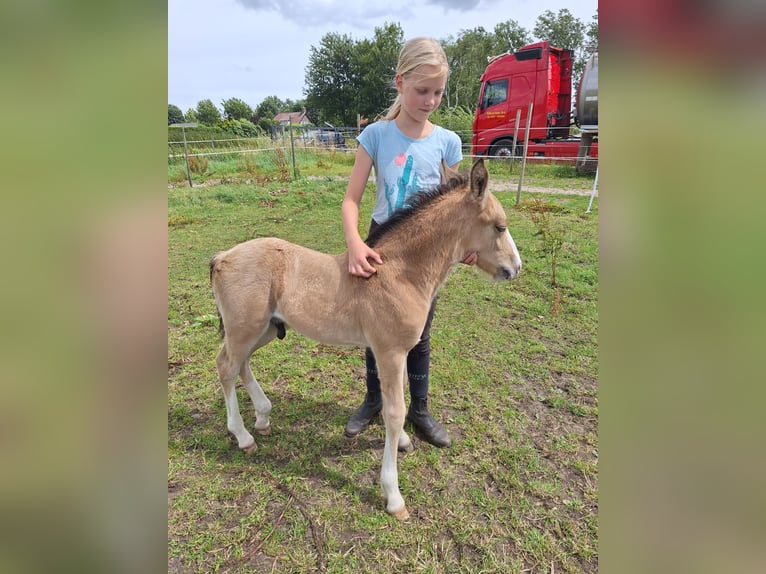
175,115
331,80
345,78
467,58
293,106
191,115
207,113
236,109
592,35
510,36
377,61
268,108
563,30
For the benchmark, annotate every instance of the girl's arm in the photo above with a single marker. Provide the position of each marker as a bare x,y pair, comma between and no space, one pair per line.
358,251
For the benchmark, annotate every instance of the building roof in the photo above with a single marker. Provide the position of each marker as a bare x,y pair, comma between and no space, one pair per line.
292,118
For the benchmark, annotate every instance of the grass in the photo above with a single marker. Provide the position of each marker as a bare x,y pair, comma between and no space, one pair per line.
514,383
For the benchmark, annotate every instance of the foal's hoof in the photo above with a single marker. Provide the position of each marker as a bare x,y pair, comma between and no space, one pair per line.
409,447
401,515
250,449
264,431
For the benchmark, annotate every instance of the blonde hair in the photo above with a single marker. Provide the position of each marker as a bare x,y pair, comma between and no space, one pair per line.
415,53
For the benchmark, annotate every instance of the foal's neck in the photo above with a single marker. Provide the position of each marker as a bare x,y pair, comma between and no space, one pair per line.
429,245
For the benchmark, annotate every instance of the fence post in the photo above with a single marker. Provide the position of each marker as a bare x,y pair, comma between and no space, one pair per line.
524,156
183,127
186,157
593,192
292,150
515,137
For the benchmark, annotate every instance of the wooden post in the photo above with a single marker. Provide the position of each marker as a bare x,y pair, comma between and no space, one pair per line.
524,156
183,127
186,155
515,136
292,150
593,193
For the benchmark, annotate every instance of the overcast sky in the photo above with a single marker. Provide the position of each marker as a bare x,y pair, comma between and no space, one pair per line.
251,49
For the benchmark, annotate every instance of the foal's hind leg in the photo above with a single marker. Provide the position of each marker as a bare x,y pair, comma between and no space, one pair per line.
229,366
233,360
261,402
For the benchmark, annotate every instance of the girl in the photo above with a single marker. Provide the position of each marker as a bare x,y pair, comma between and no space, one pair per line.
406,150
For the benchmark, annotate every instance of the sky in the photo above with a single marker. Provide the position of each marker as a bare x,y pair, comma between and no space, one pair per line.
252,49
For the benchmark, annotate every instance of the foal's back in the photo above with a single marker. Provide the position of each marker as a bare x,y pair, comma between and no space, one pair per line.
311,292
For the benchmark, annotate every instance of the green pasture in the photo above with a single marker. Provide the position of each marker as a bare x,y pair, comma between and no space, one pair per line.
514,381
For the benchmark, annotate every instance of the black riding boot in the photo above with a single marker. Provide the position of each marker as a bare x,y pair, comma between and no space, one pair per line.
425,425
360,420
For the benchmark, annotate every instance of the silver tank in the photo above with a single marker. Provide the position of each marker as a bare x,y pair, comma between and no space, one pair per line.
586,109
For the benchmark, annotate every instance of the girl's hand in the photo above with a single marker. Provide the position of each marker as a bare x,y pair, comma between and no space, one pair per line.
358,260
470,258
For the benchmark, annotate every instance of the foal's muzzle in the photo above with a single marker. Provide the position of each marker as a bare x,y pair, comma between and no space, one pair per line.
506,273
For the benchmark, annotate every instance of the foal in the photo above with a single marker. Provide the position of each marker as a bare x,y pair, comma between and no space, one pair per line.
264,285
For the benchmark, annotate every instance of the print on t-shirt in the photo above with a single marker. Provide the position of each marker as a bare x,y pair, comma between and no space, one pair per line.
395,195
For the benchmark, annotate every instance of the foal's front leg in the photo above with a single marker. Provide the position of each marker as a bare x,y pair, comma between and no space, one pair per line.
391,371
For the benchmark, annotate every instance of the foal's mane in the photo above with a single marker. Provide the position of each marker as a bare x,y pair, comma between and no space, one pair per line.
414,205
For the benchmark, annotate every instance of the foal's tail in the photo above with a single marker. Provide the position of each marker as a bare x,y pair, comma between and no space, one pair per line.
221,330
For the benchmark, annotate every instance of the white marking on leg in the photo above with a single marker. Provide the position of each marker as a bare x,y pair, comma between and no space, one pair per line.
261,402
389,476
234,420
227,376
392,371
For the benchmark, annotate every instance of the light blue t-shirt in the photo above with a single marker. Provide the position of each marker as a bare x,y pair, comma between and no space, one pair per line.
404,166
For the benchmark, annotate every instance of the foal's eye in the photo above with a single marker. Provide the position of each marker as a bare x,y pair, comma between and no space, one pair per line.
500,228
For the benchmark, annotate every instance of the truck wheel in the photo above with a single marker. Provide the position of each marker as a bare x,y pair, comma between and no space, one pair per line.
502,149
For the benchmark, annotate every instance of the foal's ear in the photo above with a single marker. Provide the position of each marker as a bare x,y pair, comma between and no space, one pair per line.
479,179
448,175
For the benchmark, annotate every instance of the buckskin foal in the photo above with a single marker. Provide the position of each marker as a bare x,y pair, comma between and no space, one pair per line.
264,285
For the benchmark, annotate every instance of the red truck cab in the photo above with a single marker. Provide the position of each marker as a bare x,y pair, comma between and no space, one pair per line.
538,73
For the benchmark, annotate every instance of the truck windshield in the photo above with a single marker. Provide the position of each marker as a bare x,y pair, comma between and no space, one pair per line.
495,92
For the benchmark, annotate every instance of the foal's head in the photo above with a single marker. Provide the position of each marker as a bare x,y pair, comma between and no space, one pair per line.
488,234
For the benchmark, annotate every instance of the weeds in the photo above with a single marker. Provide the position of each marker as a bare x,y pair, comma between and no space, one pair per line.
198,164
178,176
552,233
279,160
249,165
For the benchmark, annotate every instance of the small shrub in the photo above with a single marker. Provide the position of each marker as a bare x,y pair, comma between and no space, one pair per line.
250,166
178,176
198,164
279,160
551,233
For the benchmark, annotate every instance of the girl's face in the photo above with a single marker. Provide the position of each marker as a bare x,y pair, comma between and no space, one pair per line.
421,92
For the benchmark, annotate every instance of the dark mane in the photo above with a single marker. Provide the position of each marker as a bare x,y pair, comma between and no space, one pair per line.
414,205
